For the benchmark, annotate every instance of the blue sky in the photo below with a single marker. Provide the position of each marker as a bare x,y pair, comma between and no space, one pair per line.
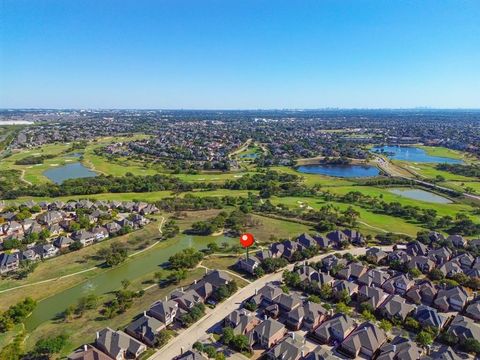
236,54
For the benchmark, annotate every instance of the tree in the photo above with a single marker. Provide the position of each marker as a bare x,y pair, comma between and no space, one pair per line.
162,338
342,308
68,313
471,345
50,346
414,272
385,325
424,338
125,283
435,274
241,343
227,335
367,315
210,351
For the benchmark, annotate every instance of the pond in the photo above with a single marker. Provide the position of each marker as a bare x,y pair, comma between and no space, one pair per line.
421,195
249,156
111,279
345,171
70,171
413,154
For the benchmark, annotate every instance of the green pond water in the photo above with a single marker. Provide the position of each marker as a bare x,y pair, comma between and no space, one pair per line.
422,195
110,280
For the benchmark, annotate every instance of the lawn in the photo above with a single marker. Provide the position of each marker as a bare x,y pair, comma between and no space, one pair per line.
376,223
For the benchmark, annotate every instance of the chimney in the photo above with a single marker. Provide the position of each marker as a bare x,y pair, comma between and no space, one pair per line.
98,335
256,291
206,271
195,281
145,313
166,298
85,347
265,317
303,354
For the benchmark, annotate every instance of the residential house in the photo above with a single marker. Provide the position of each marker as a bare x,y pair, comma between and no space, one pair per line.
443,353
422,263
365,340
335,329
400,348
288,349
165,311
354,237
241,321
376,255
464,328
374,277
457,241
88,352
85,237
50,217
440,256
344,286
288,302
118,344
186,299
373,296
145,329
399,284
46,251
248,264
352,271
267,295
268,333
113,228
8,262
465,260
191,355
450,268
309,314
100,233
451,299
395,307
30,255
331,261
473,310
428,316
399,256
63,242
321,353
422,292
306,241
416,248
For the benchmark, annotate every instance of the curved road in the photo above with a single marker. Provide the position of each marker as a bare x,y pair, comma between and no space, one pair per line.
189,336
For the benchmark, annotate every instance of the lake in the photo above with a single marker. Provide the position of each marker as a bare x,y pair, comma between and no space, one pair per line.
344,171
421,195
69,171
111,279
413,154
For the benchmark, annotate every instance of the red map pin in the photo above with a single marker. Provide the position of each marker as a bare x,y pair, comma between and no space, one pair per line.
246,240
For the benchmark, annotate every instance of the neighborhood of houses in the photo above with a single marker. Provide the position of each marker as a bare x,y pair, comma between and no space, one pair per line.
34,231
289,325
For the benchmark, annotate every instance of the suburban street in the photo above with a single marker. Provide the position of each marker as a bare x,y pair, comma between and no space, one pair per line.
185,340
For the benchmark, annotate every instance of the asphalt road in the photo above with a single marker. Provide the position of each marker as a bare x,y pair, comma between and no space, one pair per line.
185,340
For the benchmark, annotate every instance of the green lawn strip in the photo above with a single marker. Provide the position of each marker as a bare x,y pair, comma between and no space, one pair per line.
384,222
442,152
